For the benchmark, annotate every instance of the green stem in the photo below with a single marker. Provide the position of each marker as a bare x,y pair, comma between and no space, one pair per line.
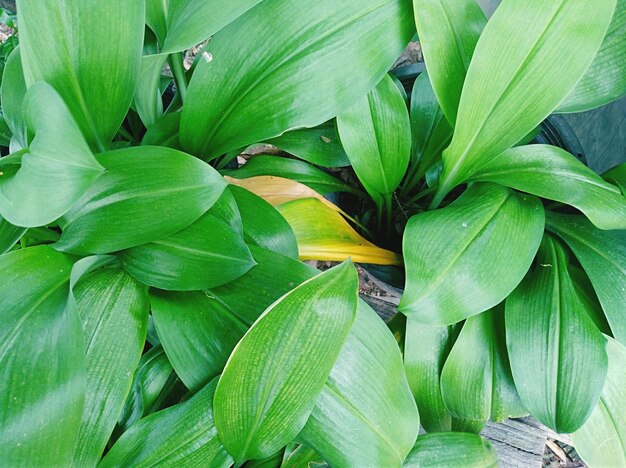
176,64
441,193
126,134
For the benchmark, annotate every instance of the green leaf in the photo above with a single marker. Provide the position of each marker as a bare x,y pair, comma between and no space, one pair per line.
147,193
376,134
365,415
315,49
148,100
197,332
452,449
204,255
476,381
605,80
302,457
273,276
183,435
164,132
9,235
151,376
466,258
303,172
601,441
550,172
263,225
603,257
430,130
94,74
182,24
13,90
557,354
56,169
285,357
532,66
113,309
426,348
42,364
318,145
448,32
617,176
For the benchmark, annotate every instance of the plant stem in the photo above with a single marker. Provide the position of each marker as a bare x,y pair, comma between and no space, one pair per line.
126,134
388,216
176,64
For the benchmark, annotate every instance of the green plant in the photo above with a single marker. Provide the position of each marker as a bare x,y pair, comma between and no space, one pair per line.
156,312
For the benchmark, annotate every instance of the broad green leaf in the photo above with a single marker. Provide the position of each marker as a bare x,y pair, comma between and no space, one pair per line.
183,435
273,276
365,415
113,309
197,332
603,257
151,376
444,450
164,132
148,100
94,74
226,210
430,130
448,32
532,66
550,172
476,381
466,258
182,24
274,89
147,193
318,145
9,235
323,234
42,364
303,172
286,357
263,225
426,348
206,254
56,169
605,80
617,176
13,90
376,134
601,441
302,457
557,354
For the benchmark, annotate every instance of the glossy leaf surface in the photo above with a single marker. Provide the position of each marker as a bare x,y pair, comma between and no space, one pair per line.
197,332
9,235
546,322
452,449
140,199
305,173
286,357
426,348
183,435
57,167
605,80
376,134
617,176
13,91
601,441
532,66
78,63
476,381
206,254
40,413
274,89
550,172
467,257
318,145
182,24
603,256
263,225
323,234
365,415
113,308
448,32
